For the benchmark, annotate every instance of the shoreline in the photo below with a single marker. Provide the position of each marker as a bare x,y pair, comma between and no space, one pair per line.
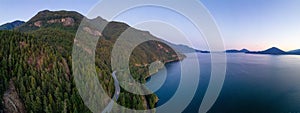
180,58
166,62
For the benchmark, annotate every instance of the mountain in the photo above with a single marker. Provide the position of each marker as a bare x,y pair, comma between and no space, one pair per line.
70,21
36,59
181,48
184,48
66,20
237,51
272,51
244,50
12,25
201,51
297,52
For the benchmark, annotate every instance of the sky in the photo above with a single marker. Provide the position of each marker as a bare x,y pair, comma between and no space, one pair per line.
251,24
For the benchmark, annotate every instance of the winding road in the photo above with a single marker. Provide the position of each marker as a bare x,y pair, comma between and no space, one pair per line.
116,95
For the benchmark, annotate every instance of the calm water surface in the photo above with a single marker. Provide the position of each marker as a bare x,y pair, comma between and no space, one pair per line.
253,84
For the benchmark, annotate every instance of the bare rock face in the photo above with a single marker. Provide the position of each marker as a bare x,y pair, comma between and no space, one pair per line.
53,21
12,102
38,23
92,32
68,21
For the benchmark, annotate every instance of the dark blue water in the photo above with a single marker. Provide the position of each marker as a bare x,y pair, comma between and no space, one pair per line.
253,84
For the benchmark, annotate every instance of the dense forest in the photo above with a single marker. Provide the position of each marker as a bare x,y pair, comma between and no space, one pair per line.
36,65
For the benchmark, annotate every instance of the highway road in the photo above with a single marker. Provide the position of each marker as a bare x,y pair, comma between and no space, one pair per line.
116,95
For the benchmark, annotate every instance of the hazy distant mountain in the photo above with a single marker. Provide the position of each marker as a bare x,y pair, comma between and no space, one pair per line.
201,51
244,50
182,48
272,51
186,49
12,25
297,51
237,51
232,51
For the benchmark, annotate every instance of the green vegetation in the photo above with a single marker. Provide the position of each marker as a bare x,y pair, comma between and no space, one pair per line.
38,60
42,75
52,19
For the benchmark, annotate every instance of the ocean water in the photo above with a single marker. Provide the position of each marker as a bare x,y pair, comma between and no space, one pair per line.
253,84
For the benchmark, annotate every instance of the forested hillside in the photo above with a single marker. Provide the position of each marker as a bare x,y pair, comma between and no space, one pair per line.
36,59
40,73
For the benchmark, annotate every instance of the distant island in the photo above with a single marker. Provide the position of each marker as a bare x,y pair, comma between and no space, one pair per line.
297,52
237,51
270,51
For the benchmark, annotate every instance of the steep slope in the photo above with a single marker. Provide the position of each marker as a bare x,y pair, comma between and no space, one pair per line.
65,20
40,73
182,48
12,25
54,20
44,49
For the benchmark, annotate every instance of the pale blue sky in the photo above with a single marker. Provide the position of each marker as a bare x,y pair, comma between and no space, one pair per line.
252,24
258,24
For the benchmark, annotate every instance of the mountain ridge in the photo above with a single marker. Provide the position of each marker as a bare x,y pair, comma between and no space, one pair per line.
46,42
11,25
272,51
69,20
237,51
297,51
